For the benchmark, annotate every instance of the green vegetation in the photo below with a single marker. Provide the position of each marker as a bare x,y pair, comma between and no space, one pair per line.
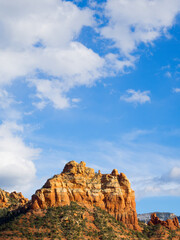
72,222
68,222
52,223
157,231
102,221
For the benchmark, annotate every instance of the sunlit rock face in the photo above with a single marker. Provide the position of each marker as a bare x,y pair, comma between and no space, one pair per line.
111,192
8,199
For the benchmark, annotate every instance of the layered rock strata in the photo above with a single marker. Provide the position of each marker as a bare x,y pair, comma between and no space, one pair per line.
111,192
172,224
7,199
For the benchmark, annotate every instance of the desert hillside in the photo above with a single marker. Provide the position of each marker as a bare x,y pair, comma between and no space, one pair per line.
80,204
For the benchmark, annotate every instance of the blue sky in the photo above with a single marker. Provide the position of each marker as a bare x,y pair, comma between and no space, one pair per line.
93,81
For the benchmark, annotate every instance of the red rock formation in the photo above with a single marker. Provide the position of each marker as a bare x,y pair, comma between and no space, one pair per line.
172,224
8,199
18,197
111,192
3,198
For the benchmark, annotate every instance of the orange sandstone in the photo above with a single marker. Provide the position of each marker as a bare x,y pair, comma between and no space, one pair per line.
7,199
111,192
172,224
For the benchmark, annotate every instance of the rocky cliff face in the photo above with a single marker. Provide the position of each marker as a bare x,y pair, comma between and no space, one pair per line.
8,199
111,192
172,224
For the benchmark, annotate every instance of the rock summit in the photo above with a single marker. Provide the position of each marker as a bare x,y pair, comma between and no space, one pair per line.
111,192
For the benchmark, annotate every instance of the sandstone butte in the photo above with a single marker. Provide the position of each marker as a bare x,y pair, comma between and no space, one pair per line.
172,224
7,199
111,192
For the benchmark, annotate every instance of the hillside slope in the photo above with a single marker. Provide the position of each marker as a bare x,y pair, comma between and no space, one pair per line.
80,204
74,222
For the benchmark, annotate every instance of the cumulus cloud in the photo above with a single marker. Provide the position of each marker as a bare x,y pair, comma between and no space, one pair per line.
52,24
136,97
17,169
77,66
49,22
42,39
39,38
132,22
50,91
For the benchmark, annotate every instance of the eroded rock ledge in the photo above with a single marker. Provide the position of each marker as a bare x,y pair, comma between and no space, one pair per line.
111,192
7,199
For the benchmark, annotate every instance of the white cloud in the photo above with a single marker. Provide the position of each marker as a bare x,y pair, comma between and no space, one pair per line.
115,65
40,36
176,90
51,22
75,66
133,135
17,170
50,91
133,96
132,22
24,23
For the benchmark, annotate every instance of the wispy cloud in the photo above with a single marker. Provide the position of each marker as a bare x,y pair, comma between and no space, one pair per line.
76,100
8,106
176,90
133,135
165,67
153,169
5,99
136,97
168,74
